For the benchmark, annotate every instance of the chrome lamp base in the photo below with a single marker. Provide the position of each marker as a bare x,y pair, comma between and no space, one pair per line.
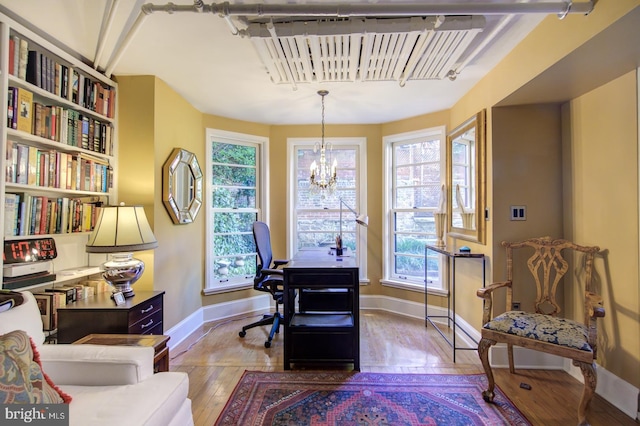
122,271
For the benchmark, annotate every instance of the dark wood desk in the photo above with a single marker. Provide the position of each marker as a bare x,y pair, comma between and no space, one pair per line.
323,327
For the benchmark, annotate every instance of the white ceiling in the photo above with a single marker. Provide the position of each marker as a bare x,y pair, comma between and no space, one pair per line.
221,74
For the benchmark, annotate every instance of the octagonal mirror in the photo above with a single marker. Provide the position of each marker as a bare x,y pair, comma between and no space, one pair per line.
182,186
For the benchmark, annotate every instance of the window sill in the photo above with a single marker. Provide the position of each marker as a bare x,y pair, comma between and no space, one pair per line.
413,287
227,289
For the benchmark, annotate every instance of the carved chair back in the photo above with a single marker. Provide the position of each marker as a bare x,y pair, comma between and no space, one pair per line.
548,266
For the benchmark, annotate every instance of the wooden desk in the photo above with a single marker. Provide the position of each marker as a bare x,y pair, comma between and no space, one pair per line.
324,326
158,343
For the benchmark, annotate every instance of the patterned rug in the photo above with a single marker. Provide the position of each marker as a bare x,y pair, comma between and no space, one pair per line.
323,398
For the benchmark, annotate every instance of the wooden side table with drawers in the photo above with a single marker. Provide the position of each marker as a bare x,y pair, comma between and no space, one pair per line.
141,314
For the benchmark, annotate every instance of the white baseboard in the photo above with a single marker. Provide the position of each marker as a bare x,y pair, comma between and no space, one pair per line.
618,392
524,358
217,312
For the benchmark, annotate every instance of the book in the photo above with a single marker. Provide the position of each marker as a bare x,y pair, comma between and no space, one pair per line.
33,165
69,292
11,208
24,110
22,174
84,129
99,286
23,55
13,102
11,168
47,304
34,67
10,108
14,54
25,210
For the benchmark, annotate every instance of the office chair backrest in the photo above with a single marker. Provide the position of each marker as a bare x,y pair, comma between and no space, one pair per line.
262,238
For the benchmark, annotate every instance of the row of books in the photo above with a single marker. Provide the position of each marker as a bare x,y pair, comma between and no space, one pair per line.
56,123
50,300
30,165
32,63
26,214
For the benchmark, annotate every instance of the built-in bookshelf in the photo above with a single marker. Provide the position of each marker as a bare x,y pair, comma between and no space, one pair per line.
59,147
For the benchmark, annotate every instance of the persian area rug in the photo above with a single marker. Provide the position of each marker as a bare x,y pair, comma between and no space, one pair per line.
327,398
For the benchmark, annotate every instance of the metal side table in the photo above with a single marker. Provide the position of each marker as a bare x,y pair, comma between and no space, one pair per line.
451,257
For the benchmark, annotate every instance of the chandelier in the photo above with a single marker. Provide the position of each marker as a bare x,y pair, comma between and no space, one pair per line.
322,178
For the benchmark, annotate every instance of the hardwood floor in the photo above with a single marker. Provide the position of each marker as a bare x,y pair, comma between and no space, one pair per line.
215,358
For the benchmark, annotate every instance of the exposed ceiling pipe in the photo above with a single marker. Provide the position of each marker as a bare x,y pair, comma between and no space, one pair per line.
500,26
562,8
120,49
105,28
485,41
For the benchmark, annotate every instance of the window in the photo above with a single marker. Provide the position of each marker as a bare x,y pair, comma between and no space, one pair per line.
235,199
414,177
314,219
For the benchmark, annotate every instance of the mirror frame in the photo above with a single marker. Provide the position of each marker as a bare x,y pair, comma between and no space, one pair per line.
171,191
478,234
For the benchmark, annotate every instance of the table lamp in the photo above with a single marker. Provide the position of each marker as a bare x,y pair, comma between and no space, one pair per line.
119,231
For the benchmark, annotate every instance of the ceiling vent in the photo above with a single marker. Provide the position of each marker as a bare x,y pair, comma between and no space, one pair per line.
399,49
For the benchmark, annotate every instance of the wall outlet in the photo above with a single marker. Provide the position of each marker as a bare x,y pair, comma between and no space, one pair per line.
515,306
518,212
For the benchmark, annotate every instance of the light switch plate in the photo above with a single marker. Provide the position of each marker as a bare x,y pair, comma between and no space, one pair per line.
518,212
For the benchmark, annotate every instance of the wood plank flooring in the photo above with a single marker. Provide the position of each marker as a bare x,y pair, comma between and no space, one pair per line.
215,358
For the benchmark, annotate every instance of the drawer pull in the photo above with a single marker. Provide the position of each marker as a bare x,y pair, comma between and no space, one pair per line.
147,324
144,311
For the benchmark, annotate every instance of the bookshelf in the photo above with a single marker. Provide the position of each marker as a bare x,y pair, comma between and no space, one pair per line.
59,146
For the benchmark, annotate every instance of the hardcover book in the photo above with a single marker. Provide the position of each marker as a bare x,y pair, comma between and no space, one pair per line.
47,306
24,110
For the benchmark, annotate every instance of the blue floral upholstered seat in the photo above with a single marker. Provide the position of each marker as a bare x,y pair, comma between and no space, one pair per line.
542,327
544,330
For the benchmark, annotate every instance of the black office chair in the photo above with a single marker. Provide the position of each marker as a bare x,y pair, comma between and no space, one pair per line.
267,279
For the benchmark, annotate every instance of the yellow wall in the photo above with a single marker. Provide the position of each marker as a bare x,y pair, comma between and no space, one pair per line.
601,208
590,180
135,143
153,120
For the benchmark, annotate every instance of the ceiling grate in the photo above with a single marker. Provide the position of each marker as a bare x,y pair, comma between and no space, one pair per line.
364,50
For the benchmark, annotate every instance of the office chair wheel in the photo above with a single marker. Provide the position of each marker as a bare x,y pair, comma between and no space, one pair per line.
242,333
267,344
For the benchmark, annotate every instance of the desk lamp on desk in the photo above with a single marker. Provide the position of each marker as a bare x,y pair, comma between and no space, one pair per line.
361,219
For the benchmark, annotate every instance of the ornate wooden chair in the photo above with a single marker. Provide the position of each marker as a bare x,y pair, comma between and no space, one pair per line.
543,330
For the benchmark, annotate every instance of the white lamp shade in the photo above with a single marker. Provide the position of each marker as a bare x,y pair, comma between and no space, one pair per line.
121,229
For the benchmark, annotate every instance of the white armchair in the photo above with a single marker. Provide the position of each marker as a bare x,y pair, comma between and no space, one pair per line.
109,385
